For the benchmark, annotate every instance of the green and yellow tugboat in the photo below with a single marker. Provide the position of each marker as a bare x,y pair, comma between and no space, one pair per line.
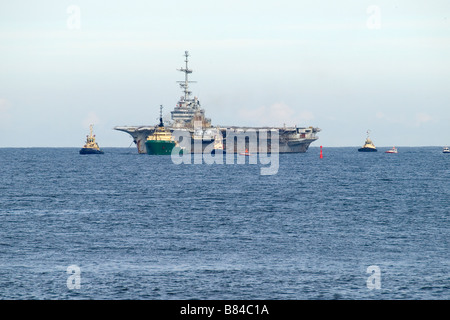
161,142
91,147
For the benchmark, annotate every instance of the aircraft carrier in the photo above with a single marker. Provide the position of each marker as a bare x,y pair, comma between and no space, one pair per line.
189,116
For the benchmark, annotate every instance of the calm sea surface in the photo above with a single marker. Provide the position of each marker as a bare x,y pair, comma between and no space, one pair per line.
141,227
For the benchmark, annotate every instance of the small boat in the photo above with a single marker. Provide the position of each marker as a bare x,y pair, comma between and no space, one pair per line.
368,145
246,153
218,144
161,141
393,150
91,147
446,150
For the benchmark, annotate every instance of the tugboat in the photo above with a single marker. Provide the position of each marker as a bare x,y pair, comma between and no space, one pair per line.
91,147
393,150
446,150
161,142
218,144
368,146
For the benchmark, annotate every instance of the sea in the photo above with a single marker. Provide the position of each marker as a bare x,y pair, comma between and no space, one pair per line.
123,225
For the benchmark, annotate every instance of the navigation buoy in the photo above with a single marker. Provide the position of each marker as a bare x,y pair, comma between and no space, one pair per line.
321,155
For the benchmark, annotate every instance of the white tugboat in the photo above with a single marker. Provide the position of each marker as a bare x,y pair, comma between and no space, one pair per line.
393,150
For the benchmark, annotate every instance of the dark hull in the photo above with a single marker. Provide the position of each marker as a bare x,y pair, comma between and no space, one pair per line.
218,152
90,151
367,150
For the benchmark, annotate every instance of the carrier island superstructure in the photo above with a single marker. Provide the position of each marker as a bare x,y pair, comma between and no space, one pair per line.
189,116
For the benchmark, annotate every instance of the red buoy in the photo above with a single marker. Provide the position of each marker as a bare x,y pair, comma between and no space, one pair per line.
321,155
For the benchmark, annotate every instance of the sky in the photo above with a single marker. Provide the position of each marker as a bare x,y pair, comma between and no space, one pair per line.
343,66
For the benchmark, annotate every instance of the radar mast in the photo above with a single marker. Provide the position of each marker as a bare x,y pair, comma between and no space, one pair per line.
185,84
161,124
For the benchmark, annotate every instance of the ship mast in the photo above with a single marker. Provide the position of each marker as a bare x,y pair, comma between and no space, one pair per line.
90,138
161,124
185,84
187,108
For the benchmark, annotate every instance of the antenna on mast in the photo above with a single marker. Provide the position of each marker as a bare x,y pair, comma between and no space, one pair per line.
161,124
185,84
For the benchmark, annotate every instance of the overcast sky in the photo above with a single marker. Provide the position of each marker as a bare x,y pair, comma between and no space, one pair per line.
343,66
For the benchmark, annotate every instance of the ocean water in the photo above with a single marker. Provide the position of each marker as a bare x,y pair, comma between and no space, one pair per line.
140,227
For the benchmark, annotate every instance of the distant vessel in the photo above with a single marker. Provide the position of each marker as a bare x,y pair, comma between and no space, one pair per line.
218,144
161,142
91,147
393,150
446,150
368,145
189,116
246,153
